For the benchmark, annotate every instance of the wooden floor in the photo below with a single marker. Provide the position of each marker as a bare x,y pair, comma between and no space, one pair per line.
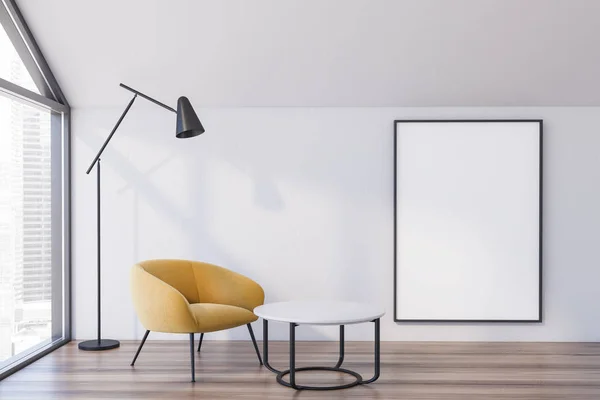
228,370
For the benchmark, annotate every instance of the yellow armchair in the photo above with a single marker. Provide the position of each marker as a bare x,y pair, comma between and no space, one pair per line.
179,296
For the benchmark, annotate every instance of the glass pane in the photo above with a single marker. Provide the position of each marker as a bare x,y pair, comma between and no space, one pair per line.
25,231
11,66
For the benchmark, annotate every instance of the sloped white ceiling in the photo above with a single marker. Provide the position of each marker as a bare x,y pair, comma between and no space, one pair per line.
323,52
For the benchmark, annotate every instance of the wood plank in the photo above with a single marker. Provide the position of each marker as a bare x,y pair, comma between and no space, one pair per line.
226,370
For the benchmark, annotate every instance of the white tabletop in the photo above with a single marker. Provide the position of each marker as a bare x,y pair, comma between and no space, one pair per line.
319,312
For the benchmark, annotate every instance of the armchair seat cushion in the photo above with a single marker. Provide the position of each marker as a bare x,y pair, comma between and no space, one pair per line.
212,317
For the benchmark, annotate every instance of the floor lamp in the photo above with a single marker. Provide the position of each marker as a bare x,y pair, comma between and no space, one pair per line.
188,125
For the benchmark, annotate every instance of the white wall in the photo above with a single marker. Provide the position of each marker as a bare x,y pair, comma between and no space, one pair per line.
300,199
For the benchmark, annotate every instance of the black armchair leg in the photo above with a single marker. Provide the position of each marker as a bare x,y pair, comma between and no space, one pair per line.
254,342
192,357
140,347
200,343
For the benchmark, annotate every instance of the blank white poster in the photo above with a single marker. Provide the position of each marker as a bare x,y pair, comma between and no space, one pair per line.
468,221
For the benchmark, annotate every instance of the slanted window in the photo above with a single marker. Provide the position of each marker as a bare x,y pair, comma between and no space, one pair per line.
12,67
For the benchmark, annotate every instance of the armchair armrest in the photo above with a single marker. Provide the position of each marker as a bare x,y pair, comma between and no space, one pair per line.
159,306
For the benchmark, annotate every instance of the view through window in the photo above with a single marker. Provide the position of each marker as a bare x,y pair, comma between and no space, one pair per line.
11,66
25,215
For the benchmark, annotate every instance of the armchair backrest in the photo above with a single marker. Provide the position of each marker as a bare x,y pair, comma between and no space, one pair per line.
222,286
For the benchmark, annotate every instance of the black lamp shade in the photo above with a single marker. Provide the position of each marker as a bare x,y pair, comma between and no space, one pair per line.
188,124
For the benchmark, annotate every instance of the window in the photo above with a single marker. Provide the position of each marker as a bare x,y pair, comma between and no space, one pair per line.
11,67
34,224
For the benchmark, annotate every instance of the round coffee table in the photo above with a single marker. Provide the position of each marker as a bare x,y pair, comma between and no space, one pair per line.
318,313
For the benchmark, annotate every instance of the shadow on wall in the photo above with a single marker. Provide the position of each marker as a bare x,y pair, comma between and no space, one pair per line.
294,202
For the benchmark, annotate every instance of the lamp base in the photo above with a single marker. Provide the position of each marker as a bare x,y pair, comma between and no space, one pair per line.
99,345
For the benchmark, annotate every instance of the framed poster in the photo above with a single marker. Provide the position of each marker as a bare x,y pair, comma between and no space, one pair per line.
468,220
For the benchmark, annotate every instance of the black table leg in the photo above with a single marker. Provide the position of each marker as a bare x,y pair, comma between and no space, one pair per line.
266,347
377,355
341,359
293,356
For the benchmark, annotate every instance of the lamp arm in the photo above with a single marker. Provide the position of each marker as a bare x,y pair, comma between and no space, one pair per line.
114,129
158,103
137,93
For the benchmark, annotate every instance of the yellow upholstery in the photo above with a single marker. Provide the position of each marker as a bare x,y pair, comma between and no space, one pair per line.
179,296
